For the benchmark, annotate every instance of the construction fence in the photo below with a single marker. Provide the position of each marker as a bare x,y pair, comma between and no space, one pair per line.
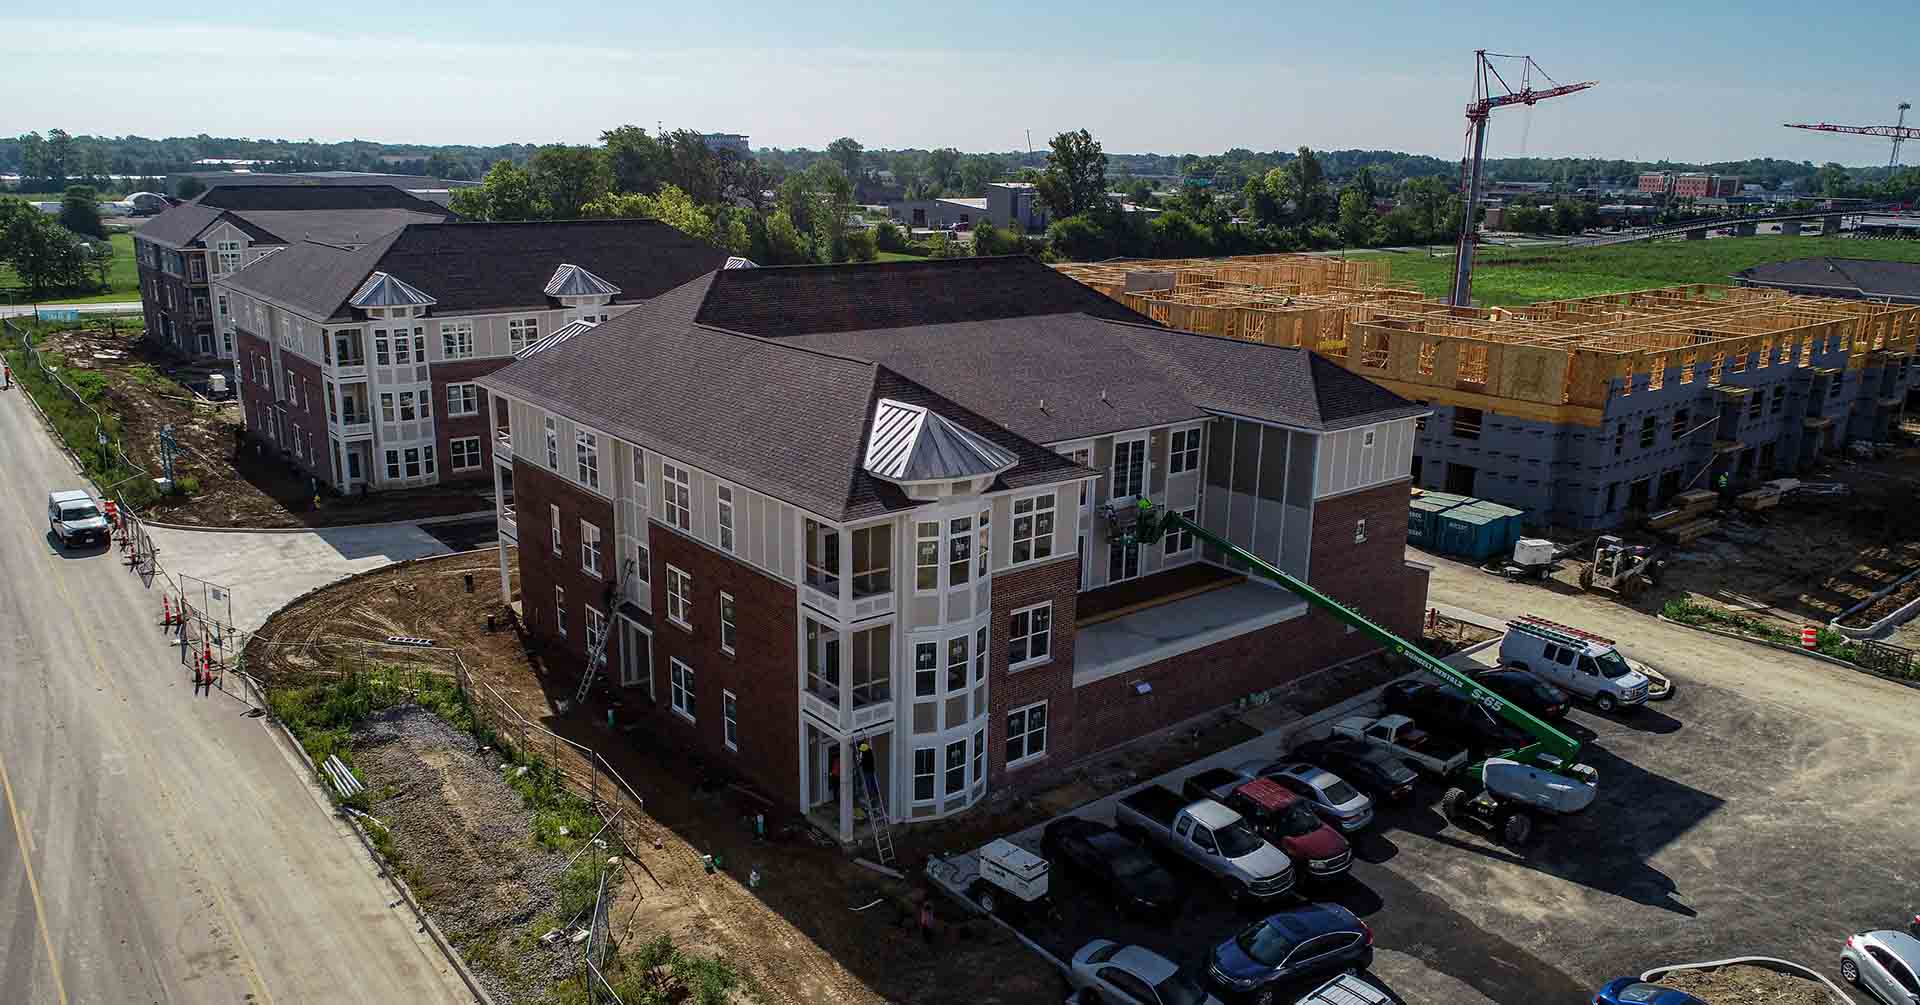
75,419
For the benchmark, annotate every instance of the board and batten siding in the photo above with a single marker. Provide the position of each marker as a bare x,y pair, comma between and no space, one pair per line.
1363,457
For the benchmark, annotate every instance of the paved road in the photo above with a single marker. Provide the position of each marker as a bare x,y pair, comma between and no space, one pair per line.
156,846
115,307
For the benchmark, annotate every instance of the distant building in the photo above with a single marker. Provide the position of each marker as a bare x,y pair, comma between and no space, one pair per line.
1844,278
938,214
1654,182
1689,184
1016,204
431,189
736,142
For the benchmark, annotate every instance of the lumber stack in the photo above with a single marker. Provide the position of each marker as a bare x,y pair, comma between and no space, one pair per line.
1686,532
1688,507
1764,497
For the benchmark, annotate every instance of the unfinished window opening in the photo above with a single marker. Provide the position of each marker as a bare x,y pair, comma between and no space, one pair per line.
1806,351
1754,403
1649,429
1717,370
1688,362
1680,419
1786,350
1428,350
1473,364
1764,358
1374,350
1619,438
1467,423
1779,400
1657,373
1739,362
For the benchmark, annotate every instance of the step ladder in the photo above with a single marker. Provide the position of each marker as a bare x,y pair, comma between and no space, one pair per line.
876,817
597,657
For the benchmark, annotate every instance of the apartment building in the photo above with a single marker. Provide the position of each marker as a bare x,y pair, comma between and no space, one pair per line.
809,507
358,363
181,252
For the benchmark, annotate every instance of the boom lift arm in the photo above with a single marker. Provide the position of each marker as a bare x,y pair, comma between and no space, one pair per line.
1551,750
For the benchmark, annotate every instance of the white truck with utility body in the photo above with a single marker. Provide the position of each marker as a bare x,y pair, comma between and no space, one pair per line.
1577,662
1397,735
1210,836
75,519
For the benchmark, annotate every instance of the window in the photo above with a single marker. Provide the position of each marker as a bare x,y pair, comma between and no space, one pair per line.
926,669
979,655
221,301
1026,733
1649,429
682,689
923,774
553,445
1467,423
596,631
980,550
1123,560
679,597
463,399
1360,531
1029,636
823,662
346,348
1032,528
1129,468
413,462
726,623
293,390
1833,386
957,664
677,496
1619,438
589,548
640,468
723,496
382,348
553,525
1181,541
402,348
872,560
586,459
427,452
959,550
956,768
872,666
979,755
1680,419
456,339
520,332
642,564
560,610
1083,457
1185,455
229,255
466,453
393,463
823,557
926,552
729,715
406,406
1779,400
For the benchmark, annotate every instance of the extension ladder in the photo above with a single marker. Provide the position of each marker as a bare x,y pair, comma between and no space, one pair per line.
876,818
597,656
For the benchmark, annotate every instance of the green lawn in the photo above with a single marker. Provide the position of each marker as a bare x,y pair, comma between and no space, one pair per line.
1509,277
895,256
123,282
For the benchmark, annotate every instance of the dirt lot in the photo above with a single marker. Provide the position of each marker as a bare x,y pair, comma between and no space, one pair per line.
228,484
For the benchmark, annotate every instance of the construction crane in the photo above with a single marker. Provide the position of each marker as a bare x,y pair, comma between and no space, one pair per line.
1898,131
1478,111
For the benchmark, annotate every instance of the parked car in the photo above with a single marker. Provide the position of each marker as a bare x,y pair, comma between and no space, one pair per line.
1338,803
1210,836
1296,945
1397,735
1540,699
1106,971
1376,772
1448,712
1346,989
74,519
1276,813
1886,963
1577,662
1634,991
1123,870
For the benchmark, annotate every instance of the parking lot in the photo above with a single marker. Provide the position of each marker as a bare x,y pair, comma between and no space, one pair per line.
1766,809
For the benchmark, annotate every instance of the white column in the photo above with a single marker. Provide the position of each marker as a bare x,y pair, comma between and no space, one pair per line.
849,777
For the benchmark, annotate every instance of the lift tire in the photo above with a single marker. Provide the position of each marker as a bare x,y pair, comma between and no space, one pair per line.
1450,804
1517,830
1586,578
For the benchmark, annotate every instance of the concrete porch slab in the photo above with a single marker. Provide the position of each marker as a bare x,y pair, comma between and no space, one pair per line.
1157,633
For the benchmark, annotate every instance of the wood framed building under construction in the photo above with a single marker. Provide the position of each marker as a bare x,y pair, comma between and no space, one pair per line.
1585,413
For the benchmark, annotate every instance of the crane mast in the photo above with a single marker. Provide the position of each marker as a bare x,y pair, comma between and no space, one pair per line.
1485,77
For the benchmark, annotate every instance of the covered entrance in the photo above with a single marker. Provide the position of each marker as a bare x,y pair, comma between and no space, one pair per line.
836,789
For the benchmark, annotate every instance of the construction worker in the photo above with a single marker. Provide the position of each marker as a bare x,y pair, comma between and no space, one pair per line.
867,776
6,377
833,773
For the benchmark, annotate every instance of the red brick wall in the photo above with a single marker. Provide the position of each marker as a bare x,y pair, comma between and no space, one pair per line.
763,672
448,428
257,400
1058,582
1373,574
306,420
541,570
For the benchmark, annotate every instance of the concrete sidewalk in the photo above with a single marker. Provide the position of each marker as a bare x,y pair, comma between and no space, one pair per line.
265,570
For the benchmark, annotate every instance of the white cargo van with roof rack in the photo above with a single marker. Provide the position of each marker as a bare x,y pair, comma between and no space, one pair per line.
1578,662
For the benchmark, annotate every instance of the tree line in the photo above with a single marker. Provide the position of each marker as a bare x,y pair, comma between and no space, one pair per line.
66,254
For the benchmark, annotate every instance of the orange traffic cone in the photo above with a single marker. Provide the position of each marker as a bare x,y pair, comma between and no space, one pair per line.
166,612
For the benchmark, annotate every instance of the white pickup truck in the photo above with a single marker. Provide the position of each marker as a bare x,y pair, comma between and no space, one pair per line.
1396,735
74,519
1210,836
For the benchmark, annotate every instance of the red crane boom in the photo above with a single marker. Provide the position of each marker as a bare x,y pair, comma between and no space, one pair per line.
1899,132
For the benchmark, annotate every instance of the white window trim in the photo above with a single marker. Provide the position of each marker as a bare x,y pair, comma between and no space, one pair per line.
595,538
1146,466
454,452
1190,513
686,602
1046,743
553,444
553,526
586,458
1033,539
560,610
939,540
674,688
677,515
730,722
1031,661
463,398
913,775
1192,434
726,599
726,535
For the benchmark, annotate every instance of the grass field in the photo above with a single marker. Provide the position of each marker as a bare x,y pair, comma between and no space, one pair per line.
895,256
123,283
1523,277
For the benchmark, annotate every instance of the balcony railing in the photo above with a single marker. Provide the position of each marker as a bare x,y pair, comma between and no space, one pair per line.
503,447
509,524
828,711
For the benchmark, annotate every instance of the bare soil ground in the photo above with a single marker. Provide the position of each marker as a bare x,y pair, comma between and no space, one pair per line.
1741,984
232,484
797,936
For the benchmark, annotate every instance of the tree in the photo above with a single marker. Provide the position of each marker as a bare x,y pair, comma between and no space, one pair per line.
977,170
943,168
887,236
1301,184
1357,224
846,152
190,187
567,178
861,246
45,255
102,263
506,193
1075,179
33,160
80,211
676,209
637,160
60,159
785,243
991,240
1080,239
1175,235
619,206
1833,180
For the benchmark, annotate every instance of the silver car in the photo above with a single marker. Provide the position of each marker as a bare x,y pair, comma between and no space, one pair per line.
1338,803
1113,974
1886,963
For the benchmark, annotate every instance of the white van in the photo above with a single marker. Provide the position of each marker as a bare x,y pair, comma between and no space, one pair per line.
1578,662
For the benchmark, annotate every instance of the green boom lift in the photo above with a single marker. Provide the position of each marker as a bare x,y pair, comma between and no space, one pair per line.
1498,792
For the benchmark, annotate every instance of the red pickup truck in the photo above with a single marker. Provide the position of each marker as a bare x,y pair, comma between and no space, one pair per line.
1284,819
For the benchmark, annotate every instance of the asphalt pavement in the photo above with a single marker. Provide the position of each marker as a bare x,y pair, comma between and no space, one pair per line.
155,845
113,307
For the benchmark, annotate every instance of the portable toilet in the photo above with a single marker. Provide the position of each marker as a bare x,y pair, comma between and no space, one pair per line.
1423,517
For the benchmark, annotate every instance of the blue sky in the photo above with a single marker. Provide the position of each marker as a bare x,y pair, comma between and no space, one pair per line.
1697,82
